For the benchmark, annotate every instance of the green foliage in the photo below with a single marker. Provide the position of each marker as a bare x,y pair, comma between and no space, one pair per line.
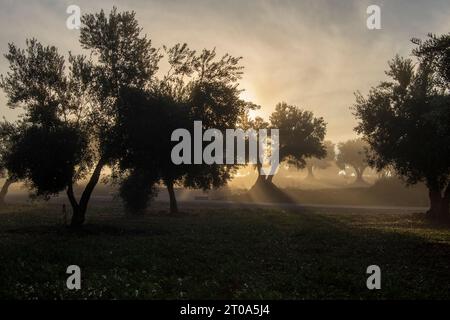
301,134
125,58
7,131
406,123
32,157
223,254
72,115
36,81
197,87
436,51
43,147
136,190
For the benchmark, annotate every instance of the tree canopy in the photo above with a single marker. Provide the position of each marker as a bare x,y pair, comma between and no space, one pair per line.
352,153
197,87
406,121
72,115
301,134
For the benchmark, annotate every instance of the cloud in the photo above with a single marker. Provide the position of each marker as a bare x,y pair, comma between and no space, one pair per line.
314,54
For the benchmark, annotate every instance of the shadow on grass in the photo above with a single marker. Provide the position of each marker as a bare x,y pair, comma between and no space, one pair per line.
230,254
86,230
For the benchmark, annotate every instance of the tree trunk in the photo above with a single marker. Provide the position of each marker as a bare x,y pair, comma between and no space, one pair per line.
265,190
310,175
79,208
359,176
4,190
261,179
446,201
78,216
86,196
439,205
445,207
172,197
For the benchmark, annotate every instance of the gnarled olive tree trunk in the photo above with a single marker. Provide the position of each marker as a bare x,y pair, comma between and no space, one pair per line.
439,204
4,190
262,179
310,175
79,208
172,197
359,175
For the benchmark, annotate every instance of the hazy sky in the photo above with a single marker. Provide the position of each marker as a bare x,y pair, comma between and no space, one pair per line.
314,53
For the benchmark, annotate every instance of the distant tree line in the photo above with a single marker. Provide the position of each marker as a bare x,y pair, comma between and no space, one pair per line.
350,154
404,124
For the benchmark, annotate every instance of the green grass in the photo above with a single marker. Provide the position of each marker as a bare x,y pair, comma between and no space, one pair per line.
223,254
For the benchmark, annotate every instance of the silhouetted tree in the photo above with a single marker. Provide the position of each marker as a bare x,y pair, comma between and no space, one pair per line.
301,135
406,121
213,98
137,189
435,51
316,163
7,130
4,190
46,146
144,126
196,88
69,119
245,123
201,87
352,154
124,59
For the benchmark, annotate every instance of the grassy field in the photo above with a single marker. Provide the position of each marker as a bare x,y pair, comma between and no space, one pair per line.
223,254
